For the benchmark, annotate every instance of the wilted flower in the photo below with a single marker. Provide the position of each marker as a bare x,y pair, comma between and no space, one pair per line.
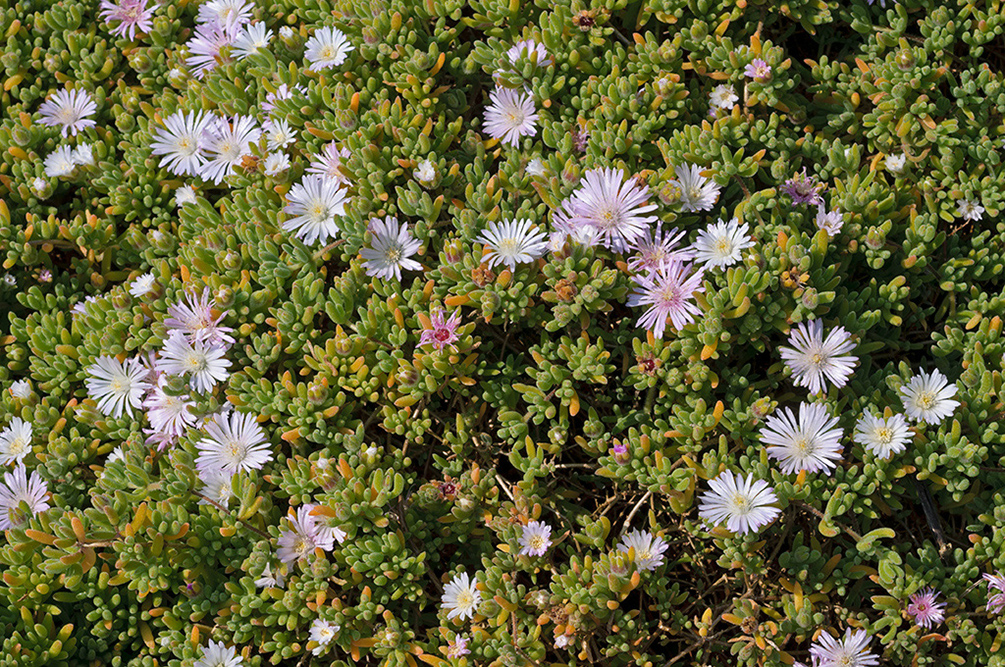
461,598
184,195
896,163
803,189
83,155
194,317
510,115
996,592
426,172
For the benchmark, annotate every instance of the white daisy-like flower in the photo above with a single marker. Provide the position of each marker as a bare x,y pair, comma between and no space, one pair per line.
278,134
60,162
882,437
531,50
233,444
535,539
969,209
69,110
513,242
391,246
510,115
253,37
15,441
829,222
169,415
535,167
461,598
184,195
322,632
811,443
226,143
83,155
206,363
218,654
426,172
21,390
313,206
276,164
225,12
143,285
217,486
328,47
928,397
179,142
721,244
328,163
850,651
812,358
743,504
16,488
697,193
117,386
614,208
723,97
648,549
896,163
270,579
193,315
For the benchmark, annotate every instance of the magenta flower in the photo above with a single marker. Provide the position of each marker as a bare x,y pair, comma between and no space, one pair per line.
443,332
759,71
668,292
926,611
132,15
804,189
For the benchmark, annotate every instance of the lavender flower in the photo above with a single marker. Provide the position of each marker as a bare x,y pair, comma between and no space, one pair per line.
803,189
668,292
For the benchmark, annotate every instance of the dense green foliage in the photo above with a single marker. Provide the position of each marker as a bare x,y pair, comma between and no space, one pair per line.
431,461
